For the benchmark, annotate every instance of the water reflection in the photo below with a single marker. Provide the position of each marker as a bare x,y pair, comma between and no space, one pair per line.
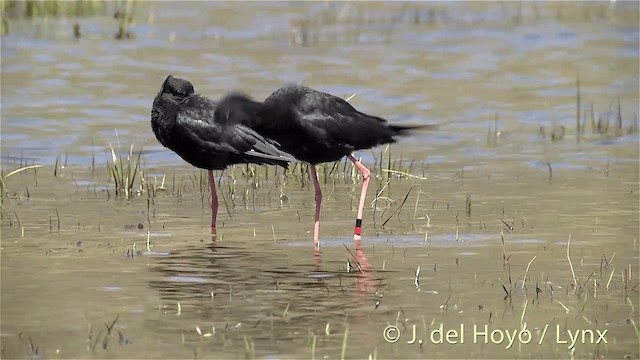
236,291
364,280
220,270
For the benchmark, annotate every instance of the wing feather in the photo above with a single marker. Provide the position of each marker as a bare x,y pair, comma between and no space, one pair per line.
197,124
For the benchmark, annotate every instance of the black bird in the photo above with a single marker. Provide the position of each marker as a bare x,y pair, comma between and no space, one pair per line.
188,124
317,127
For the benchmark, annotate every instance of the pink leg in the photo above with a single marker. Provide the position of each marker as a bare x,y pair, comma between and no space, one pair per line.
366,175
316,224
214,202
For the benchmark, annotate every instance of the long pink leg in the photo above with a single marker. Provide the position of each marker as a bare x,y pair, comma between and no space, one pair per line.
316,224
214,202
366,176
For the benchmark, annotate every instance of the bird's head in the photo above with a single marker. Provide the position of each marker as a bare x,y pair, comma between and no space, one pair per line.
176,87
173,92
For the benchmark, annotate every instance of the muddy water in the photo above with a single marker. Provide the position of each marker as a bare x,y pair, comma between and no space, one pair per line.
500,267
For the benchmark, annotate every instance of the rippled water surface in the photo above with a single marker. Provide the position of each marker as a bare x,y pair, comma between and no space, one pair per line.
485,217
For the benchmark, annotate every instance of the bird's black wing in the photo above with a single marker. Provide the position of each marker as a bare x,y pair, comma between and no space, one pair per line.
261,147
195,123
340,122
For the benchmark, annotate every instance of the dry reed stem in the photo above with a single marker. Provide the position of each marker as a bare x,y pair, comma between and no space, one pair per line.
575,281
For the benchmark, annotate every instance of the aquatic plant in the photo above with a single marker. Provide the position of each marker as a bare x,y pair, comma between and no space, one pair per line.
53,8
124,16
123,172
3,187
122,12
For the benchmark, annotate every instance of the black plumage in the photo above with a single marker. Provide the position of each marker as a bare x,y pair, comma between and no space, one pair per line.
316,127
188,124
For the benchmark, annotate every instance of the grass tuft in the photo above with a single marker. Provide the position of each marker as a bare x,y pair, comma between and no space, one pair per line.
124,16
124,171
3,187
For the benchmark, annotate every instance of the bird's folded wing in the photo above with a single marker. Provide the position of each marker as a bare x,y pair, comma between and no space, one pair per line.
259,145
207,137
237,139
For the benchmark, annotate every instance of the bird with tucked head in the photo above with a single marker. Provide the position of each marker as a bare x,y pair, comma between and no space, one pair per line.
209,137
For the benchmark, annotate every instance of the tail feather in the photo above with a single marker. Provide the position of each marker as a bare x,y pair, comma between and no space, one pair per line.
407,129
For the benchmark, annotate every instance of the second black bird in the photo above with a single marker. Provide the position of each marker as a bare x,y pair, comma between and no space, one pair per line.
316,127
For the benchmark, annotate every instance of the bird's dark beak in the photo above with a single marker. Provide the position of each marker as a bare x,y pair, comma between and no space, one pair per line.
164,84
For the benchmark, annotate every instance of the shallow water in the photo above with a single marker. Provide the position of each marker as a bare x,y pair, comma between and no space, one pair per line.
68,262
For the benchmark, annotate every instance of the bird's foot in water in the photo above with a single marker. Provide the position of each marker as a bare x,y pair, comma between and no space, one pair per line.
357,237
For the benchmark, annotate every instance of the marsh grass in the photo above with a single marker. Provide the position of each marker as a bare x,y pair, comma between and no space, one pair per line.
242,178
53,8
344,342
200,181
124,17
493,133
248,186
606,125
346,23
399,208
3,187
92,342
151,186
122,12
249,346
123,172
4,23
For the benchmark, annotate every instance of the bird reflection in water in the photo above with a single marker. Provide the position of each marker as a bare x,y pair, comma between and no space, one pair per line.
194,272
364,280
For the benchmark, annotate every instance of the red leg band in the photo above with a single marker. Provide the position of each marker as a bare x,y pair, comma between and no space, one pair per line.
358,229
